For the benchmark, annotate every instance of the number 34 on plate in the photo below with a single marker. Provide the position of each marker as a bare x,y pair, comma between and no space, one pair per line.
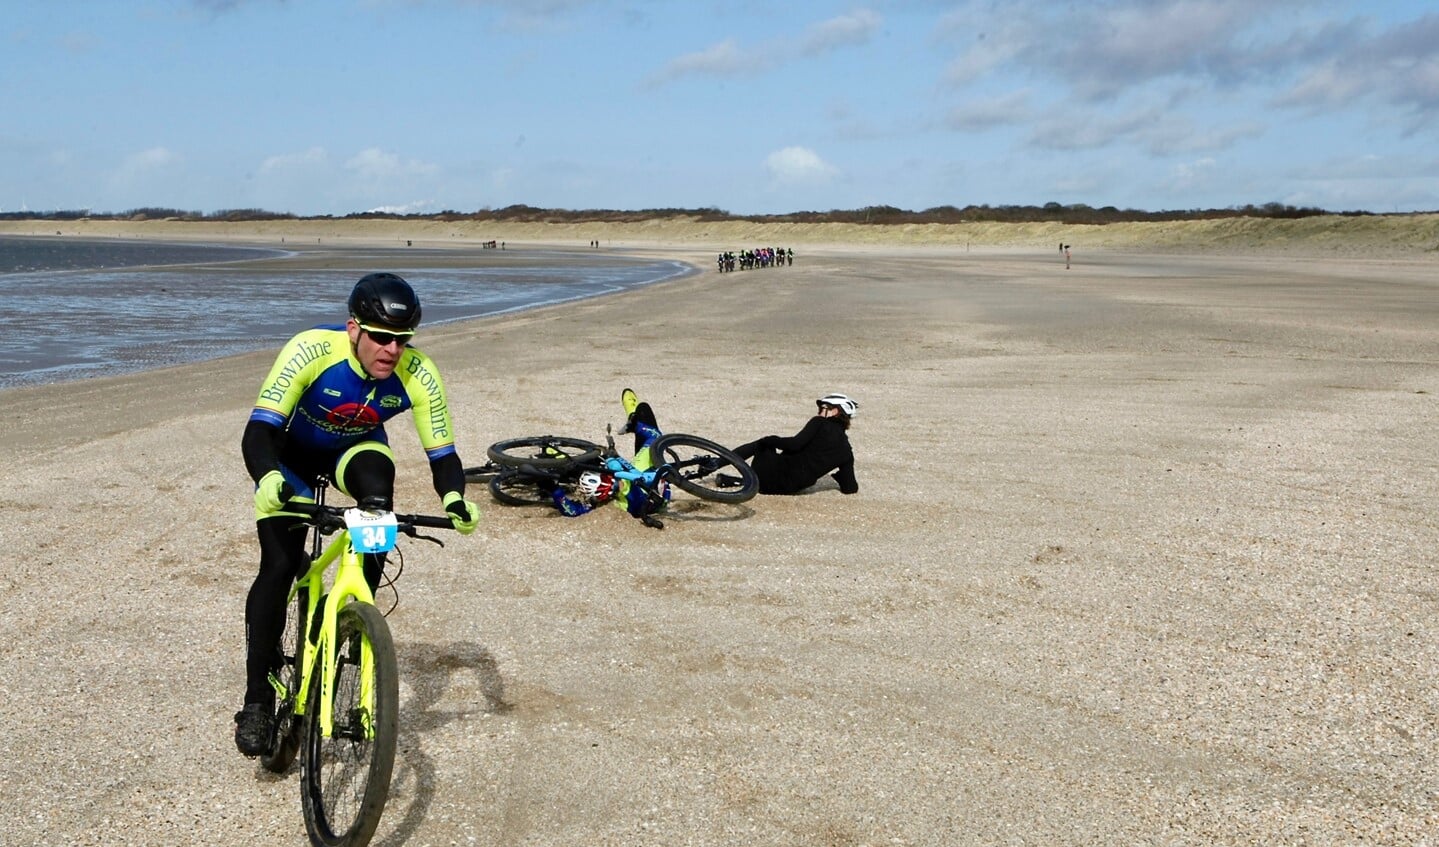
371,532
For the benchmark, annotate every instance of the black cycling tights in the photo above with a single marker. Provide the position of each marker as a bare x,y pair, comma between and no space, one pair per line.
370,478
370,475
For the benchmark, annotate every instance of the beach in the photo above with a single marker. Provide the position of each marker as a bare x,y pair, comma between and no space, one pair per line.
1141,555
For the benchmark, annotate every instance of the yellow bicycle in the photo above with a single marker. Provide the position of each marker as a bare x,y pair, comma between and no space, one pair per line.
337,689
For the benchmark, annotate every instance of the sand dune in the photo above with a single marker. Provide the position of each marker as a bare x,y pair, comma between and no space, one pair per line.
1392,235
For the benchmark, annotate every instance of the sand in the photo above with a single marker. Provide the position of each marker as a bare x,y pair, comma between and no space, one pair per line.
1141,555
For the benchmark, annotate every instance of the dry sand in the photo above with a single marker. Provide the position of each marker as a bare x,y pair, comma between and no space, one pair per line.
1142,554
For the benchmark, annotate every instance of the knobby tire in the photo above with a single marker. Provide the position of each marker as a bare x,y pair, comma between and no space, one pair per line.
543,451
347,777
705,469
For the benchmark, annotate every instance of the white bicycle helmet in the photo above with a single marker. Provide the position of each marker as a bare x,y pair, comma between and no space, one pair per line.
595,486
843,402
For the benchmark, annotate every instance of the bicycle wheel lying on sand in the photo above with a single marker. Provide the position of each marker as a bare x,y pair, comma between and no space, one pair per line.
542,451
526,487
704,468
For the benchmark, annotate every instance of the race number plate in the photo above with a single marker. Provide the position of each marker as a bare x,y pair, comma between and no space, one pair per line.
371,532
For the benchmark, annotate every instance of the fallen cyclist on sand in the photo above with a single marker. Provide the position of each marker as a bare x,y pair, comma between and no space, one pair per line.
575,476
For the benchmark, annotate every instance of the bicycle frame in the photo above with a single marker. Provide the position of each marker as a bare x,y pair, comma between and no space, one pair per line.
625,470
349,583
347,759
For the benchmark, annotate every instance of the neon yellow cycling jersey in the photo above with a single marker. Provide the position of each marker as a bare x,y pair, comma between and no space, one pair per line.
320,395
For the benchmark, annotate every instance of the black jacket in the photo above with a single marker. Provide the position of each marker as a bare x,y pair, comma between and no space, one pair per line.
822,446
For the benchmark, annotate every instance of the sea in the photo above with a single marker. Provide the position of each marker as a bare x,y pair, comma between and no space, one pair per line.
82,308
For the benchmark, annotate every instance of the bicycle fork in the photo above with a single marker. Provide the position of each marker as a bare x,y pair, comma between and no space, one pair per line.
321,646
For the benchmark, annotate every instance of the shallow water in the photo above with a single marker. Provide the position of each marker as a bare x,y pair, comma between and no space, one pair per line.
92,308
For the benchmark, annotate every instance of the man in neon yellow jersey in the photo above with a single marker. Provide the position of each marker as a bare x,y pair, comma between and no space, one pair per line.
321,412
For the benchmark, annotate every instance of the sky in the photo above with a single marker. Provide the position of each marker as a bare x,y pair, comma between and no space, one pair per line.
752,107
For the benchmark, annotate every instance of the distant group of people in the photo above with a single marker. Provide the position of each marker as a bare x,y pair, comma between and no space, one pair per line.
760,257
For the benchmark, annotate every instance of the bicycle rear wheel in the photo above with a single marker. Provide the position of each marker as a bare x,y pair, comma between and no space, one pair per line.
705,469
542,451
515,487
288,725
347,775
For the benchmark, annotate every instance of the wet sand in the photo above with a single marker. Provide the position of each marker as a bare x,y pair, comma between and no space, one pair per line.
1140,556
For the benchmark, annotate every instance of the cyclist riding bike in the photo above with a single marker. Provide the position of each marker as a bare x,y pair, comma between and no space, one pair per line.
321,412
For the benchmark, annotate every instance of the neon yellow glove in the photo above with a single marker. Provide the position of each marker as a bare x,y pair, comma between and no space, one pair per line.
464,514
272,492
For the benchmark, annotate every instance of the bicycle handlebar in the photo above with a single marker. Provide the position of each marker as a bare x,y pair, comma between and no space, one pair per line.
333,516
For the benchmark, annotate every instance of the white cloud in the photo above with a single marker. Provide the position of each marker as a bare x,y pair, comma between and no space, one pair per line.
149,173
1085,130
305,160
144,164
976,62
1396,66
376,164
722,59
1192,175
843,31
727,58
148,160
1104,50
799,164
1004,110
1157,131
1180,135
414,207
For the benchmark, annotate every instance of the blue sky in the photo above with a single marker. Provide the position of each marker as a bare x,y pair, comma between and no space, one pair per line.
753,107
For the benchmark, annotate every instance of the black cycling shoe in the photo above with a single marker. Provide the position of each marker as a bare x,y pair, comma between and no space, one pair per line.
253,727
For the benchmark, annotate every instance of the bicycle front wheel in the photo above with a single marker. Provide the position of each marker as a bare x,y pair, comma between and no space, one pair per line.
288,725
543,451
347,773
705,469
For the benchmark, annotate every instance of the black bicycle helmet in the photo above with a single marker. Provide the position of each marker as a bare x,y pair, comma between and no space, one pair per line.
385,300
